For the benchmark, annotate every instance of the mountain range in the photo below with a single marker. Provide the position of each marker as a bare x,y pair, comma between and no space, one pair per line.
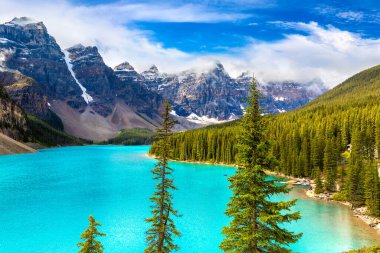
74,90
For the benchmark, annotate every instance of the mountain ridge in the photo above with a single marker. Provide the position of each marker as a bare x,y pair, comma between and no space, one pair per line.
28,48
96,102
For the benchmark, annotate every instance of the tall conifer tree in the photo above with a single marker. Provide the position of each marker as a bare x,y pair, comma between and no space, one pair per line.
318,181
256,224
355,175
329,164
160,236
372,189
90,244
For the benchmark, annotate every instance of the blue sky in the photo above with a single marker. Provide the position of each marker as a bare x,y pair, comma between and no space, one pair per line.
256,21
276,40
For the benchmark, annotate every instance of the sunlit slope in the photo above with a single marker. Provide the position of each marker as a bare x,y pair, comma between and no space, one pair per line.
362,88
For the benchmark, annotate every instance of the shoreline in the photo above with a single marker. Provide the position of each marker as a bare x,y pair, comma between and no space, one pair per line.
360,212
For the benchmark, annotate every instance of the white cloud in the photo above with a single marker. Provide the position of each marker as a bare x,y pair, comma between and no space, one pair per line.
320,52
106,26
163,12
325,53
350,15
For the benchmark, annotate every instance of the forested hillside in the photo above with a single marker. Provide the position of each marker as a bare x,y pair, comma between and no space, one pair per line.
335,137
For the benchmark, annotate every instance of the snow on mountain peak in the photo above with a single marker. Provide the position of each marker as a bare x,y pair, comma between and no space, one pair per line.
125,66
219,65
245,74
76,46
153,68
23,21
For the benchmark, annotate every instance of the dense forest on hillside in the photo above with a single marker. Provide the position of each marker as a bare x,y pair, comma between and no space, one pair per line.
134,136
46,135
335,137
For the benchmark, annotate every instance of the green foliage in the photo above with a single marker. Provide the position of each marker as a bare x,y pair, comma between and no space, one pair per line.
319,188
213,144
339,196
46,135
256,220
135,136
330,164
372,189
160,235
90,243
373,249
310,137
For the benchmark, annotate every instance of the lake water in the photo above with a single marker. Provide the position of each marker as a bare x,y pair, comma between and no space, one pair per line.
46,198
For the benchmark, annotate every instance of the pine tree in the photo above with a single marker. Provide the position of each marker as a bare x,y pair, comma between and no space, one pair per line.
90,244
372,189
355,175
318,182
160,236
329,165
256,220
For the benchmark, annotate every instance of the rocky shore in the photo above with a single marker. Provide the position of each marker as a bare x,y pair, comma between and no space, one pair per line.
359,212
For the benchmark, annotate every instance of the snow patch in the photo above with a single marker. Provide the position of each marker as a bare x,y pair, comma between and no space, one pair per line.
243,109
233,116
204,120
279,98
124,70
281,110
4,40
24,21
87,98
3,57
174,113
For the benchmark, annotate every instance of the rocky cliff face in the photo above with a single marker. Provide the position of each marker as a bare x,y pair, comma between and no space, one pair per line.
26,92
127,73
215,96
286,96
106,87
89,94
27,47
12,117
95,101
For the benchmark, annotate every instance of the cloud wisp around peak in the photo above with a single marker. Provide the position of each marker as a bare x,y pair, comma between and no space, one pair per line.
306,51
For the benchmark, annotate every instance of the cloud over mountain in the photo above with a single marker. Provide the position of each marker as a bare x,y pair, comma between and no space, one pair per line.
307,51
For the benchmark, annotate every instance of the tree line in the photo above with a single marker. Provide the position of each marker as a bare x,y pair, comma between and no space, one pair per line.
256,221
334,140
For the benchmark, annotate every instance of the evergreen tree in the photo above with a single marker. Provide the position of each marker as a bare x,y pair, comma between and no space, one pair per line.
372,189
329,165
348,114
256,220
355,176
161,234
354,184
318,182
90,244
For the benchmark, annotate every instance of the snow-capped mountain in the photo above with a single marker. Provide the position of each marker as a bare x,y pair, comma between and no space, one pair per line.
75,84
214,96
95,101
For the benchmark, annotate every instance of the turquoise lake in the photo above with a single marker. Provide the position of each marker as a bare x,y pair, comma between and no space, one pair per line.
46,198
